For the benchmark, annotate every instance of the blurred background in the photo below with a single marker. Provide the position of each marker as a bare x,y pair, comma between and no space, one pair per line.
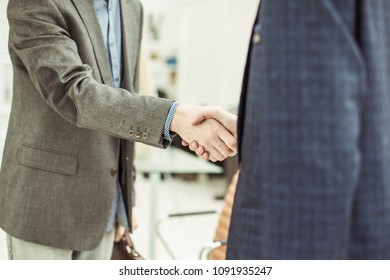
193,51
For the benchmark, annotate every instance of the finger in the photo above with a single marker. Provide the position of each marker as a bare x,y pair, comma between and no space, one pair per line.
184,143
211,140
218,156
205,156
227,119
212,158
119,232
200,150
193,146
134,221
220,150
229,141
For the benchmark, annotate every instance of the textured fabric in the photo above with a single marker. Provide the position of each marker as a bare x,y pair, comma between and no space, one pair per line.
314,136
69,128
108,15
22,250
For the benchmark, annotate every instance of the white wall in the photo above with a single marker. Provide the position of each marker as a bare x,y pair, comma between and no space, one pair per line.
212,37
214,50
3,38
5,66
3,27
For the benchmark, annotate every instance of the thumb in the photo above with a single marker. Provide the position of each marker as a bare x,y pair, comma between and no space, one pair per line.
205,113
200,117
227,119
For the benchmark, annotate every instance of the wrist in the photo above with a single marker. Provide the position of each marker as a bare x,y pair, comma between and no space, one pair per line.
178,118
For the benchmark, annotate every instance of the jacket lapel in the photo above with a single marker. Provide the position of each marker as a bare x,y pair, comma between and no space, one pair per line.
242,105
88,15
131,14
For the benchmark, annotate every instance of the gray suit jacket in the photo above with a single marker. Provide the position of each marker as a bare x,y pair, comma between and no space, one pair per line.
69,129
314,128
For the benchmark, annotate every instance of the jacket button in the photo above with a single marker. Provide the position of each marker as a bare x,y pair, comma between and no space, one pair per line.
145,136
256,39
114,171
131,133
138,135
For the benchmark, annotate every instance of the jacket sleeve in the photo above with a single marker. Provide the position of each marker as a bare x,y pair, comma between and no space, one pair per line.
43,45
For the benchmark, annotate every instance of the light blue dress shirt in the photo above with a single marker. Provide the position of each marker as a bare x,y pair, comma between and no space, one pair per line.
109,16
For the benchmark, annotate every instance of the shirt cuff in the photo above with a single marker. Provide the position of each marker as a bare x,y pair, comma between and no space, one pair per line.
167,134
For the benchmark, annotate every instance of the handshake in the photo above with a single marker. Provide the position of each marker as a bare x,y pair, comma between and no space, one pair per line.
208,131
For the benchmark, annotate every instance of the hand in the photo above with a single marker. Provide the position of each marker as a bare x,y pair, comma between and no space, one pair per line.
210,134
199,150
119,232
228,120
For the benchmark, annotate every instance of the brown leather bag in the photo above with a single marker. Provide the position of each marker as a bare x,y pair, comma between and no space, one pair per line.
125,250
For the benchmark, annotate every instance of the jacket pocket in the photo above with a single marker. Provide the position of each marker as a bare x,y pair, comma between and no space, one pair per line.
51,161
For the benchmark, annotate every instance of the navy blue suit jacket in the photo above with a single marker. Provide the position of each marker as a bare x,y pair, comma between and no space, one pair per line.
314,133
